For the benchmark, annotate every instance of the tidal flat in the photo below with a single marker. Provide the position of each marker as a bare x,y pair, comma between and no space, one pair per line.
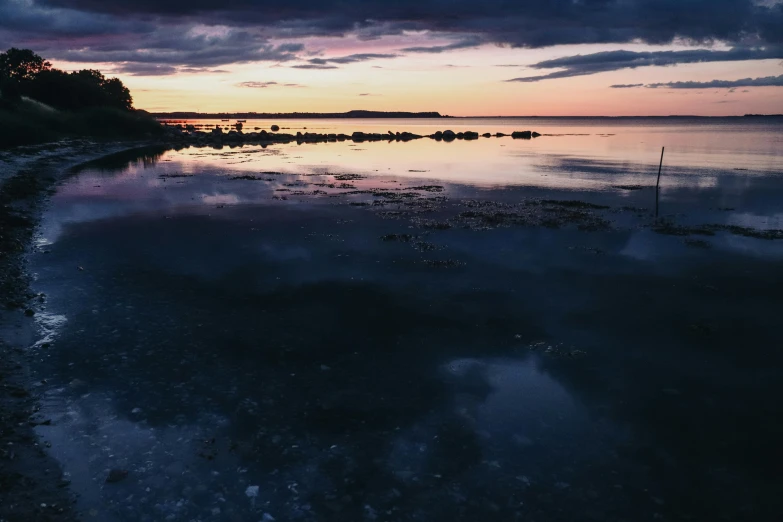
487,330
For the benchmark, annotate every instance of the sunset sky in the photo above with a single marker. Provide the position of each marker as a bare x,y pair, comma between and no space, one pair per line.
458,57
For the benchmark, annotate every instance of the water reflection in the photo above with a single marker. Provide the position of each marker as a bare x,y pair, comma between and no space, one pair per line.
718,143
143,157
202,182
369,349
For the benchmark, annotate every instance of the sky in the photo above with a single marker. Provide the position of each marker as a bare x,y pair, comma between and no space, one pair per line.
457,57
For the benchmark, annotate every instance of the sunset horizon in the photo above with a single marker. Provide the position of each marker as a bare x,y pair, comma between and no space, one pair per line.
391,260
634,58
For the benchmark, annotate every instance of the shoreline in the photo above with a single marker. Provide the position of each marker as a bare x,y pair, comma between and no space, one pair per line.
32,485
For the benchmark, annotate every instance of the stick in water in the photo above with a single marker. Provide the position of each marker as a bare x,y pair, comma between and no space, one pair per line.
658,183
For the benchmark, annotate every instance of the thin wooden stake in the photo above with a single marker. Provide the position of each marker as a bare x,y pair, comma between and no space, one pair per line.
658,184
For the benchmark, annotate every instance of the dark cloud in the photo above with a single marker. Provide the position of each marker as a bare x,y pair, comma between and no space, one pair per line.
463,44
19,17
264,85
145,69
78,36
527,23
202,70
166,32
256,85
151,69
586,64
352,58
768,81
314,66
190,51
732,85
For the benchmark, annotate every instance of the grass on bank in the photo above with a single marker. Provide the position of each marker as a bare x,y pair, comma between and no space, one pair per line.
27,122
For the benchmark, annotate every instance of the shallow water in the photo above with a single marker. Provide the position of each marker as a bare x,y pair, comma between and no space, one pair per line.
413,331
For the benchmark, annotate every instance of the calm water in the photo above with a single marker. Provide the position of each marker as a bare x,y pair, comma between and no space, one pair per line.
713,143
392,331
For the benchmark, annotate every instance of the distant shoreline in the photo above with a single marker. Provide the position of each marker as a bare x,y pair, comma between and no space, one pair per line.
671,116
295,115
423,115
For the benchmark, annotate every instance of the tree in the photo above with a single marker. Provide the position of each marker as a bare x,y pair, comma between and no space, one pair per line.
21,64
113,91
78,90
117,94
24,73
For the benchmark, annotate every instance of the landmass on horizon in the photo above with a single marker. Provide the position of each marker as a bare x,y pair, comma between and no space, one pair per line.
299,115
359,114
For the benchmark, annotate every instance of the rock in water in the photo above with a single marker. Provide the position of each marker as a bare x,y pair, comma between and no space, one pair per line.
116,475
275,128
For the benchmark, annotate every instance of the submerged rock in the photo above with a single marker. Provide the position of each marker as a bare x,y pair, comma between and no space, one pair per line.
116,475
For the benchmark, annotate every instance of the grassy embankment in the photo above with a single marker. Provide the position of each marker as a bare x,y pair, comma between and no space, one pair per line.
28,122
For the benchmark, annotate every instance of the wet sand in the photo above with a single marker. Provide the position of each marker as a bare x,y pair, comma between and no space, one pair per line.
32,486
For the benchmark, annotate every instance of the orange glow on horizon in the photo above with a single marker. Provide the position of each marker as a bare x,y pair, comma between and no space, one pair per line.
470,82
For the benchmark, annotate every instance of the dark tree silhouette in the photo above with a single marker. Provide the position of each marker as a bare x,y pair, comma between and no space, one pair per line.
118,94
78,90
109,92
24,73
21,64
